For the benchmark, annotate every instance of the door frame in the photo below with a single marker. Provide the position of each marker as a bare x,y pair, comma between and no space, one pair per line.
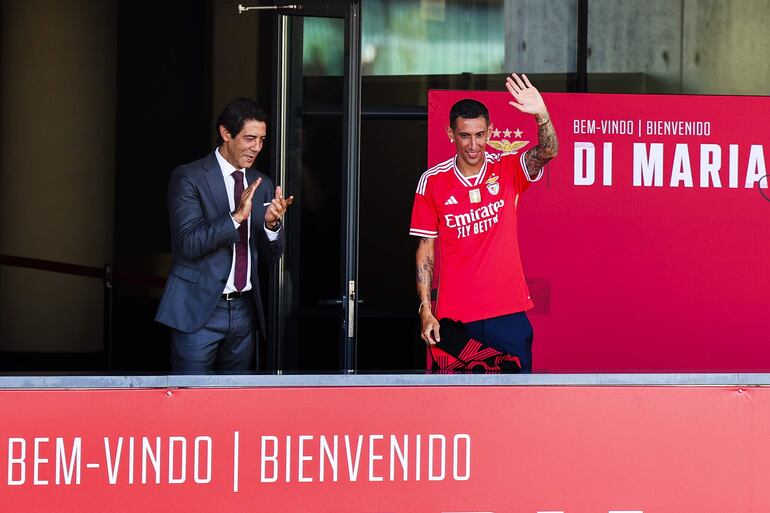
350,11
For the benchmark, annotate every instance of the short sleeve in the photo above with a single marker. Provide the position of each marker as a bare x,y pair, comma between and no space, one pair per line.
517,165
424,217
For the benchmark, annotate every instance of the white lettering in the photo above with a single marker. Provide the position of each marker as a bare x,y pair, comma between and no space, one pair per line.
678,128
756,169
374,456
417,454
131,460
648,170
153,456
733,178
38,461
112,468
457,220
710,162
172,442
441,457
617,127
584,177
288,459
682,172
584,126
448,457
272,458
353,468
200,440
403,457
74,462
302,459
467,458
331,457
607,164
17,462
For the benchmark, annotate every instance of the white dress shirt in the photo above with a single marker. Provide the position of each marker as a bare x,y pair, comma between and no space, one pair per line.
227,171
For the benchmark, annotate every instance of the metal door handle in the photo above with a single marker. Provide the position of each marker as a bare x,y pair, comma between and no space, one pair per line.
335,302
242,9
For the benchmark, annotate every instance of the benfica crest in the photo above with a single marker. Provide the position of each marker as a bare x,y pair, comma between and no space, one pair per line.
492,185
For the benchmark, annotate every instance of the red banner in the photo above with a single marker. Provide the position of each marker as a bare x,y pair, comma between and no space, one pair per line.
646,243
387,449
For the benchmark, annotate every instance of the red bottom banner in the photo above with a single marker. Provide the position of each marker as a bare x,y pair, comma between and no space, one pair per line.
480,449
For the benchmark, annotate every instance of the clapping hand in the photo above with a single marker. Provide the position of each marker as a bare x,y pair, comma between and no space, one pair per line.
277,208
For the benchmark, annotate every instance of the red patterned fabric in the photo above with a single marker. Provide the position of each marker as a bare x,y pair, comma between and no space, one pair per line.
458,353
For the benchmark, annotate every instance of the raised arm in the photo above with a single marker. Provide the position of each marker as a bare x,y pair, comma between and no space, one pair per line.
429,331
528,100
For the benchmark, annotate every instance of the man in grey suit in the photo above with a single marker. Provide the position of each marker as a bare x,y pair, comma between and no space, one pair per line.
223,217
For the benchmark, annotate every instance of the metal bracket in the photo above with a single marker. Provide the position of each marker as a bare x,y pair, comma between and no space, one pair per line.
351,308
242,9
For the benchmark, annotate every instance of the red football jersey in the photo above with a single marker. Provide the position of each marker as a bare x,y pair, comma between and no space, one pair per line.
479,270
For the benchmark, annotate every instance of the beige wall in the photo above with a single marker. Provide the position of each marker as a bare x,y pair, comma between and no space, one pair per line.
234,56
57,153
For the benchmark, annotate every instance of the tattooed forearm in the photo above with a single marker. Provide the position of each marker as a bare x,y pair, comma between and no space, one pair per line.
547,148
425,266
425,272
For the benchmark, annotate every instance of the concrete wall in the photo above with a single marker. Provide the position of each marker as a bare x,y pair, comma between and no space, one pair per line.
540,36
629,37
666,46
726,47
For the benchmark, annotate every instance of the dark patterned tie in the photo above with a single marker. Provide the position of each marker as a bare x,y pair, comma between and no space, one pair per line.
241,247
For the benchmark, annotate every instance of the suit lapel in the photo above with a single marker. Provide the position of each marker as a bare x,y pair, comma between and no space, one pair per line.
216,183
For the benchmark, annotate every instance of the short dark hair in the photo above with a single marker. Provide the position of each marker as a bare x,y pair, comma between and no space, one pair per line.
468,109
236,114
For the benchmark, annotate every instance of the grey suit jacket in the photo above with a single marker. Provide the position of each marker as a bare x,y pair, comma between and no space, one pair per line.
202,238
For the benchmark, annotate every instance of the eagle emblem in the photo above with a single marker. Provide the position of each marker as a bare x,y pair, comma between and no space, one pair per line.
507,146
492,185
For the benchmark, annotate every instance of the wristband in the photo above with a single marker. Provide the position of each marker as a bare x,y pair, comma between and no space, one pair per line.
419,309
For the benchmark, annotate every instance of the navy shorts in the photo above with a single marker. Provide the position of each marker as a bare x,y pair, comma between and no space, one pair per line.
510,334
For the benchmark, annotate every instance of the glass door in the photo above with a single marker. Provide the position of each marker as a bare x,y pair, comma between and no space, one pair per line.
316,115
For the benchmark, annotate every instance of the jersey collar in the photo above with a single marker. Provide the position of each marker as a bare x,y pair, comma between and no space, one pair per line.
479,178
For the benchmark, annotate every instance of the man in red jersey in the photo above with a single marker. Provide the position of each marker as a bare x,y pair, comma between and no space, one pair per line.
469,203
